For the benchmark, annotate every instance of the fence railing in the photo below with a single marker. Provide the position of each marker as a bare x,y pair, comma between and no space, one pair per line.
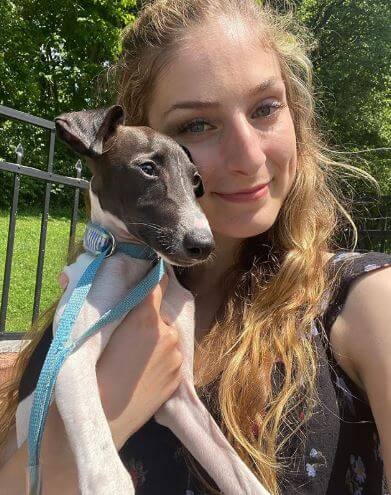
19,171
374,233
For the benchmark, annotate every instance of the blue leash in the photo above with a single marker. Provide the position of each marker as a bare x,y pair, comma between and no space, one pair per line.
101,243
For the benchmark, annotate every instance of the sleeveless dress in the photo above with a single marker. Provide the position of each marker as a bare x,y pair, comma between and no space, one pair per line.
339,453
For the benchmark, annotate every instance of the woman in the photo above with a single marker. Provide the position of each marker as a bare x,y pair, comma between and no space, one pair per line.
293,339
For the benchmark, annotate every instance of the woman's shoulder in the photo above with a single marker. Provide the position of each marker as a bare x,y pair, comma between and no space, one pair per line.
359,313
350,269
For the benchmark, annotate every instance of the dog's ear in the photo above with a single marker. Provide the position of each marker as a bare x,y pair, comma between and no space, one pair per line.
87,131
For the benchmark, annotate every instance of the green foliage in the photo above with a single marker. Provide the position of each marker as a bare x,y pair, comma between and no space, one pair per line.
51,56
352,77
52,52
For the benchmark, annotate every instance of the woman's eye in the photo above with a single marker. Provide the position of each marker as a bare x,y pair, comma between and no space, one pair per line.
149,169
195,126
268,109
199,126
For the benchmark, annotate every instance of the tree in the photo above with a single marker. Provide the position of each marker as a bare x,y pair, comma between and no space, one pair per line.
352,68
51,54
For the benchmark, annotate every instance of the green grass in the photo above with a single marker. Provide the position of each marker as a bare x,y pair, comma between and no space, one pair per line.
24,263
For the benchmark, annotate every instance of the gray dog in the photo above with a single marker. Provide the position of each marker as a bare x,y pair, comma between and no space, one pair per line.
144,190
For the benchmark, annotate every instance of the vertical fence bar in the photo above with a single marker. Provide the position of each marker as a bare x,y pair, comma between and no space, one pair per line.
75,210
10,241
44,223
384,238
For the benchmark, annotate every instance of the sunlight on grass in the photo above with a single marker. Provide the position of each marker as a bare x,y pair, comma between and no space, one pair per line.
24,263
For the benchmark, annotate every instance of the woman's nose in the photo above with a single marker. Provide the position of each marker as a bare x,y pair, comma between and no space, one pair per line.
241,148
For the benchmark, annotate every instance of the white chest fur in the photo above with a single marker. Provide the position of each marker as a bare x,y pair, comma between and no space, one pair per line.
116,277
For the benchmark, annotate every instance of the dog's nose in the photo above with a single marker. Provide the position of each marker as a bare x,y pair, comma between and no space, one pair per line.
198,244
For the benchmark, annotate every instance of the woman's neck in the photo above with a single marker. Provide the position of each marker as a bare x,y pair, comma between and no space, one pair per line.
206,278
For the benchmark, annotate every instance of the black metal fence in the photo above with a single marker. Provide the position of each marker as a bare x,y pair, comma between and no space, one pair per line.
373,221
374,233
49,177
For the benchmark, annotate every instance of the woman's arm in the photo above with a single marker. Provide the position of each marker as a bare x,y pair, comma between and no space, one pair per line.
58,466
363,344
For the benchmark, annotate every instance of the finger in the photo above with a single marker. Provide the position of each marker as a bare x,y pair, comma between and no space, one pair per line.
156,296
63,280
164,282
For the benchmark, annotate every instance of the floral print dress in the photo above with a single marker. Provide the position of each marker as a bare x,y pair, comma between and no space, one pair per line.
340,454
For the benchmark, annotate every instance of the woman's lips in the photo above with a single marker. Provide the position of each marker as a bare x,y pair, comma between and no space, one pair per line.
244,197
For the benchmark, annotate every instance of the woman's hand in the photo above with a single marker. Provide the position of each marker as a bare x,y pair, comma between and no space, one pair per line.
140,367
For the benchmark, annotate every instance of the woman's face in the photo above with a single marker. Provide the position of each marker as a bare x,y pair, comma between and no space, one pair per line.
222,96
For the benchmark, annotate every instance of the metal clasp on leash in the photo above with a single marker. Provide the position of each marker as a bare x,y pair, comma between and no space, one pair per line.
97,240
113,245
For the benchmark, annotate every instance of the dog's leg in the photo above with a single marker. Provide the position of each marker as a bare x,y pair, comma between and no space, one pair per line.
101,471
186,416
100,468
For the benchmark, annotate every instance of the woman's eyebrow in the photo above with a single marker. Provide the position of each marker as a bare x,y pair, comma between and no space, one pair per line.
210,104
264,85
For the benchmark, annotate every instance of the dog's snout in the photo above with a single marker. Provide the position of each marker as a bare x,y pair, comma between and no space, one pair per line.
198,244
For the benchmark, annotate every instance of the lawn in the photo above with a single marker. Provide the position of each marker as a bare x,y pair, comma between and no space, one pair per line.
24,263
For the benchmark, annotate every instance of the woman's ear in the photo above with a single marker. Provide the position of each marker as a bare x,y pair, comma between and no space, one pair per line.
86,131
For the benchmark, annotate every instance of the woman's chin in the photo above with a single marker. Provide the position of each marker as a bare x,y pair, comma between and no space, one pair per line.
242,224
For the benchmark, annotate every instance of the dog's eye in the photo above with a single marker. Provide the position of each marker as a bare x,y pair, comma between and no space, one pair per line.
149,169
197,185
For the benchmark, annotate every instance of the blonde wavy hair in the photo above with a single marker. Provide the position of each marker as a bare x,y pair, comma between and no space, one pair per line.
274,291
